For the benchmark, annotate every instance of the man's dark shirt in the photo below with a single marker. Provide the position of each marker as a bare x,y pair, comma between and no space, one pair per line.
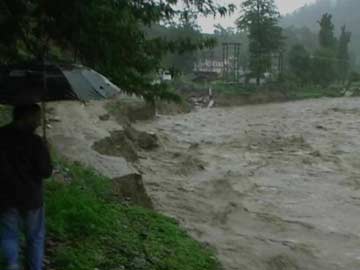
24,163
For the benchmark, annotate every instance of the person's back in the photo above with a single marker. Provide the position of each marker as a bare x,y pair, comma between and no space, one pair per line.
25,162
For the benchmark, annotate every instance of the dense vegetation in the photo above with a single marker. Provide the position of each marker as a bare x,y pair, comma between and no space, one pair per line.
328,63
345,12
106,35
259,20
315,59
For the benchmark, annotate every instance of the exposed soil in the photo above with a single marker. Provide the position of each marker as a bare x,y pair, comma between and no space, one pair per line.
130,109
131,188
270,187
171,108
117,145
90,135
125,143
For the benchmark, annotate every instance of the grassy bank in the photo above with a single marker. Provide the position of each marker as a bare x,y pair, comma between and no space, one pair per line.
232,94
90,229
96,231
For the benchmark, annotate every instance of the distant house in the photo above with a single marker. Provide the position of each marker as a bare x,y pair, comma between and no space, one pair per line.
162,76
165,75
207,70
209,66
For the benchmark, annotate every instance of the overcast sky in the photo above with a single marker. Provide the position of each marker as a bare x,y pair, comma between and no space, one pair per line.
285,6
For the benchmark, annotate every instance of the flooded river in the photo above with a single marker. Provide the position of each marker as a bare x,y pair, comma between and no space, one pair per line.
268,187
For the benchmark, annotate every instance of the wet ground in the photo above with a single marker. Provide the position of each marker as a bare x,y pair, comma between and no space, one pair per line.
269,187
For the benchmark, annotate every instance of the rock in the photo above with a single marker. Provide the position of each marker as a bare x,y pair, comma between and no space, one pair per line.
144,140
104,117
316,153
349,94
147,141
321,127
131,187
131,109
117,145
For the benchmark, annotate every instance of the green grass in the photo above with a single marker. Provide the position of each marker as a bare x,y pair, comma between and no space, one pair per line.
233,88
92,230
314,92
95,231
293,90
5,115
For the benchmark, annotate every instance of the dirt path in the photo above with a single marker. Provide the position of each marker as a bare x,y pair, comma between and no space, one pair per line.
270,187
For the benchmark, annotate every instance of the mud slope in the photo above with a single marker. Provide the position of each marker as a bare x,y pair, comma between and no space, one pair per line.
270,187
87,134
78,128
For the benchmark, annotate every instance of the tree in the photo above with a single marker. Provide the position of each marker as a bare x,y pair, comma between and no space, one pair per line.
343,11
107,35
326,35
300,63
324,67
260,20
343,54
324,60
180,61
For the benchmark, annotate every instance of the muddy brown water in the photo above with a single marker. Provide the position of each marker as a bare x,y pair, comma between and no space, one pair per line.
268,187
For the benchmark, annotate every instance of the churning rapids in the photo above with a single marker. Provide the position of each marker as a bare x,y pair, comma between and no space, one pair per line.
270,187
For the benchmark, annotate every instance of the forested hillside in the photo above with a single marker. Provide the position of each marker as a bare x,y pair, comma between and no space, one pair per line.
345,12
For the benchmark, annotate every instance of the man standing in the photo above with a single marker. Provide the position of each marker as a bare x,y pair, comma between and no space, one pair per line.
24,163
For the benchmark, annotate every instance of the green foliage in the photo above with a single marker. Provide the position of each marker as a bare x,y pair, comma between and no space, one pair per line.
184,35
324,60
354,78
301,35
313,91
343,11
233,89
107,35
324,67
5,115
260,20
327,64
300,63
92,230
343,54
326,35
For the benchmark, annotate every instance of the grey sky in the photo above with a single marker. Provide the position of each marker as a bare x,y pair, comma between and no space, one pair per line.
285,6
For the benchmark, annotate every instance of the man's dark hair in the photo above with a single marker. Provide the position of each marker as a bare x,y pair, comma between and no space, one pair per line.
22,111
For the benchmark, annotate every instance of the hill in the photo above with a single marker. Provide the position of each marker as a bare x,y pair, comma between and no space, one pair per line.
345,12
